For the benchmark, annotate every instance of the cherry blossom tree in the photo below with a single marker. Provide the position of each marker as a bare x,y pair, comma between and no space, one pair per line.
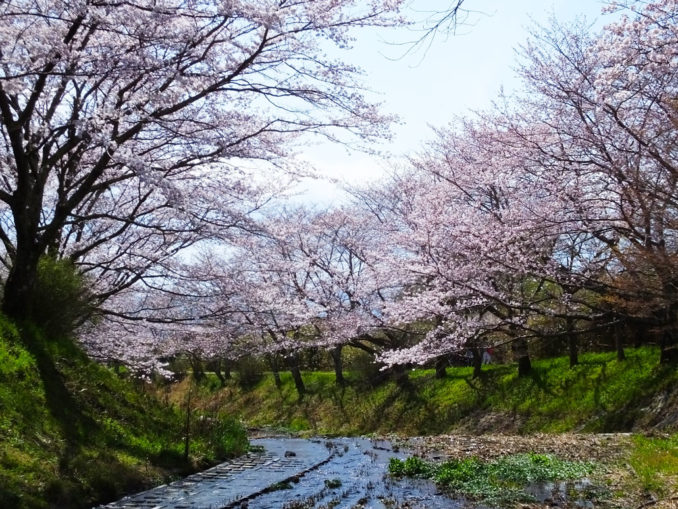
559,205
124,125
339,253
600,111
465,244
307,280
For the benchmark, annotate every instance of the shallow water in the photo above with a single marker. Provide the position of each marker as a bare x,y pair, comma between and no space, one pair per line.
346,473
355,476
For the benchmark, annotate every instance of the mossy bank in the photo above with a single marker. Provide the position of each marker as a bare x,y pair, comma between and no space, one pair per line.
74,433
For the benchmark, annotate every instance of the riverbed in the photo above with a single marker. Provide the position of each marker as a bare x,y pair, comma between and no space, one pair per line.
282,472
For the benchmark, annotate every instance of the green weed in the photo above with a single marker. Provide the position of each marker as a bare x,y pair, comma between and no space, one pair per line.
655,461
498,482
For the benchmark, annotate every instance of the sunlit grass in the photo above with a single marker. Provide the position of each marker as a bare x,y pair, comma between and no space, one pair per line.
600,394
655,462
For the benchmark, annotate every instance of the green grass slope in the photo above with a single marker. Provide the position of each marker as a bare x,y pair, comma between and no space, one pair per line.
72,433
599,395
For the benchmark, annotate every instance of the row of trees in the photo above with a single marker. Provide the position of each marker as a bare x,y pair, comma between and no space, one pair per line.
550,216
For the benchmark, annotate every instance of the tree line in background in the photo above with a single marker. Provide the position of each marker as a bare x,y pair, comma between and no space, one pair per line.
549,219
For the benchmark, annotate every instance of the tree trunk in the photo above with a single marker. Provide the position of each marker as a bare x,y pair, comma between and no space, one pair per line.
17,300
222,369
573,349
572,343
197,368
668,348
338,366
619,343
477,359
441,365
27,209
276,377
187,430
226,367
298,381
522,355
638,335
273,363
221,378
296,375
668,344
400,375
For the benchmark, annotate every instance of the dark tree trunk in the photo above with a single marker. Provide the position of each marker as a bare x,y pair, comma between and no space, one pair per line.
668,348
187,430
26,211
226,368
400,375
477,360
441,365
619,343
17,300
522,356
572,343
222,368
220,376
573,349
298,381
338,366
197,368
276,377
275,369
296,375
668,344
638,335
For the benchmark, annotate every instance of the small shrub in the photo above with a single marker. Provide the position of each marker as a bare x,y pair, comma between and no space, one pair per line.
410,467
457,472
61,299
228,437
363,369
333,483
250,372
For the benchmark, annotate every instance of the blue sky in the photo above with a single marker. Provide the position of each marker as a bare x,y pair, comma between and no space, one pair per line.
452,76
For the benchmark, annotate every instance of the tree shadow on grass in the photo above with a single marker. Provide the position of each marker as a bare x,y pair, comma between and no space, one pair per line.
540,382
76,427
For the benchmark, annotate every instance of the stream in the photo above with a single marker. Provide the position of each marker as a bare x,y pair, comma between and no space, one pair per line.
356,475
320,473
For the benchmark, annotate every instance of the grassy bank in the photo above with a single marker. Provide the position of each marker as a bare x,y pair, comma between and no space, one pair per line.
73,433
601,394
